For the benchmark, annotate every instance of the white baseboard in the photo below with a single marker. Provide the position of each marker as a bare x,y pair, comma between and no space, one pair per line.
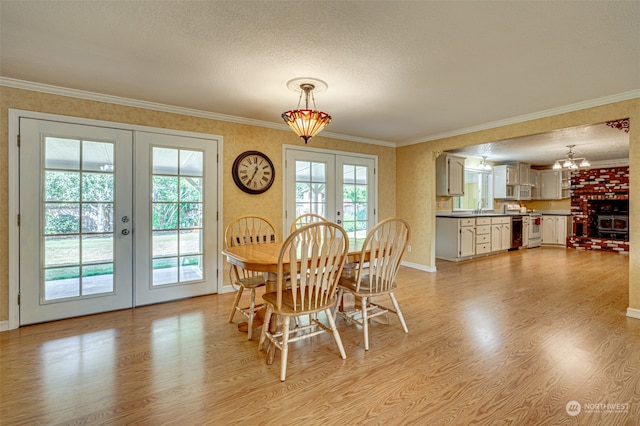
633,313
418,267
4,325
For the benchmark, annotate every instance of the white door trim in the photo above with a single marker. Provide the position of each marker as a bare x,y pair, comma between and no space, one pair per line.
14,190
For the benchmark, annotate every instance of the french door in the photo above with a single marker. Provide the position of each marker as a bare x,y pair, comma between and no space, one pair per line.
341,187
100,232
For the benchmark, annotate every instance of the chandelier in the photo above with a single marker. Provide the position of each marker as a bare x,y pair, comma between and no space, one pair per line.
484,165
570,161
306,122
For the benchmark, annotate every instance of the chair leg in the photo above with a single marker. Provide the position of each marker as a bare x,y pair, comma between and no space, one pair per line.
235,303
265,327
285,348
399,312
252,313
337,305
336,335
365,323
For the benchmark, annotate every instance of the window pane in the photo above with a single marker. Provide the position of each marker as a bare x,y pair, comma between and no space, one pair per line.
97,156
97,186
190,163
60,251
165,271
190,189
165,161
97,248
61,218
478,191
61,186
97,217
165,188
190,268
165,243
62,153
97,279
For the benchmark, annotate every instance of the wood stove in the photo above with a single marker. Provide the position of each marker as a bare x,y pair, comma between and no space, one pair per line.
614,226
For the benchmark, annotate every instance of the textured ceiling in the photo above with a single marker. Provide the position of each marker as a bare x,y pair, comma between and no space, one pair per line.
397,71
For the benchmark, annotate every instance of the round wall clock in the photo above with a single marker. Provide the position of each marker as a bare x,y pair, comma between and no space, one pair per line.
253,172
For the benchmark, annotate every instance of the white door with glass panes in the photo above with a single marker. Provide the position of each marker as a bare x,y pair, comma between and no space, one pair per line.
175,216
339,186
87,218
76,246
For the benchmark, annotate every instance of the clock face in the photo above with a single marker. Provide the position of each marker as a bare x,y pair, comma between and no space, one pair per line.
253,172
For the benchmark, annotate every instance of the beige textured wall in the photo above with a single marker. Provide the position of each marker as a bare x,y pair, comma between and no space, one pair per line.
417,205
237,139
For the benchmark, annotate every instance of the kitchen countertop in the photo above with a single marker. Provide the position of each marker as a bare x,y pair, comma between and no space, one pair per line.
463,215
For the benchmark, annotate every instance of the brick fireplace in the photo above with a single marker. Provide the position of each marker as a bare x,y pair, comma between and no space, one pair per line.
600,196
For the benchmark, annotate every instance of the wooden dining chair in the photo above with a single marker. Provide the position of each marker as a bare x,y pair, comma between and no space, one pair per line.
245,230
385,244
309,267
306,219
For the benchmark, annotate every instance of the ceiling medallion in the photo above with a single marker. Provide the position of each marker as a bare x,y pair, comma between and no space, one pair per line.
622,124
306,122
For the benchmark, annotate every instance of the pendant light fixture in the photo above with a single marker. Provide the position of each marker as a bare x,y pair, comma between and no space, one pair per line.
306,122
484,165
570,161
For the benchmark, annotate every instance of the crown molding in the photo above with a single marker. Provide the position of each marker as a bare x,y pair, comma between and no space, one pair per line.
117,100
625,96
99,97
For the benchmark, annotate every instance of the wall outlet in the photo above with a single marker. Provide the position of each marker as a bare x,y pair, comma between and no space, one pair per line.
439,204
446,203
409,248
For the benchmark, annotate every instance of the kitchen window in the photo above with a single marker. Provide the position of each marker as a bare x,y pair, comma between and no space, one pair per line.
478,191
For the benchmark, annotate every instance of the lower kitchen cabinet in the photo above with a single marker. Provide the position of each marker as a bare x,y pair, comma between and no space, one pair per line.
465,238
554,229
483,235
455,238
500,233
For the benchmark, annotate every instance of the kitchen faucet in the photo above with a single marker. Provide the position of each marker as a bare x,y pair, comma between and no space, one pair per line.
479,209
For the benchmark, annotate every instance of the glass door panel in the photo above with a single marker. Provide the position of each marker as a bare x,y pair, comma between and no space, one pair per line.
177,221
70,175
340,188
177,215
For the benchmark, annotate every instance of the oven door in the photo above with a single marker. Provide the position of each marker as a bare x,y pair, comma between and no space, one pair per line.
535,224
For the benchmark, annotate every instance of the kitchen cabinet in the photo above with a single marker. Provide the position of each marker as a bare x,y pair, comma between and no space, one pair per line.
483,235
550,185
500,233
565,185
455,238
505,182
449,175
555,229
534,178
523,174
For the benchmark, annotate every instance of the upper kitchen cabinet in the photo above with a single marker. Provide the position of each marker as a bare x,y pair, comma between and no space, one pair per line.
505,182
550,185
534,178
449,175
524,177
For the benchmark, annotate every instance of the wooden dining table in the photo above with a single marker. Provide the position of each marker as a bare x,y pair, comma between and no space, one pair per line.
264,258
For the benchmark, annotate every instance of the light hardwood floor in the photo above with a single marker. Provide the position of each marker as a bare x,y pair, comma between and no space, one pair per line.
509,339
